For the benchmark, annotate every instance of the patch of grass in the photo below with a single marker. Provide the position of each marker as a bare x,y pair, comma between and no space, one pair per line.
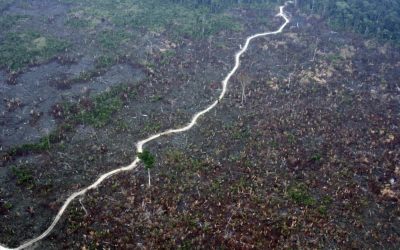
24,176
78,18
7,205
151,127
322,209
300,194
240,134
216,186
85,76
148,65
5,3
101,108
75,217
42,145
181,162
186,244
105,61
334,58
259,5
17,50
121,125
111,40
156,98
273,144
102,111
317,157
239,185
175,156
290,137
166,56
78,23
325,202
202,24
9,21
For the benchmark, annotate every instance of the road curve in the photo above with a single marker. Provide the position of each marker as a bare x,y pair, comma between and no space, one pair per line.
140,144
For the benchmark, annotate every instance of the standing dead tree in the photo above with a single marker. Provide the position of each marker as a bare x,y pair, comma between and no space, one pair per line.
244,80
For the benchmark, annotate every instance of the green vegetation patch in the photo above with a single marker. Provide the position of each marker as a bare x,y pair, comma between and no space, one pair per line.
23,176
105,61
166,56
98,111
101,111
5,3
380,19
300,194
324,205
147,158
317,158
110,40
77,23
201,24
42,145
9,21
180,19
17,50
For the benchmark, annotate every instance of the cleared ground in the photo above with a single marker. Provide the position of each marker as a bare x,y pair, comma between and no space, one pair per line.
303,152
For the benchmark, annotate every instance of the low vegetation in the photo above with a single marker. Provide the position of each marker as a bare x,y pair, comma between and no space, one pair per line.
99,112
5,3
23,176
9,21
42,145
154,15
18,50
301,195
96,111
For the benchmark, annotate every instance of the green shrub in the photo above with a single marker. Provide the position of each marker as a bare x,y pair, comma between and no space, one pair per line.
147,158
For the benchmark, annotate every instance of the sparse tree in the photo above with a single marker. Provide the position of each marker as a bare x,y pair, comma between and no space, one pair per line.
148,161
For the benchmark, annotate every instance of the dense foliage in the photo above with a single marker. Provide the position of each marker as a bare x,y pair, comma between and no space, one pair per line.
147,158
218,5
373,18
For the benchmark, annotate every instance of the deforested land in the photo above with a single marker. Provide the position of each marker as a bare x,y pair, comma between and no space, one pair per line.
303,150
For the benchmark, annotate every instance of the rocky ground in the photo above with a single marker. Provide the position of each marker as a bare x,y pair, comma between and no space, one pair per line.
302,153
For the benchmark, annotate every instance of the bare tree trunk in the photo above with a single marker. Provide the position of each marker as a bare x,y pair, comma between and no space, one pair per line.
243,79
315,51
243,92
148,172
209,46
292,73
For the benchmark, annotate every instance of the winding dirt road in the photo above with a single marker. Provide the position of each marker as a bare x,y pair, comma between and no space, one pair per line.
140,144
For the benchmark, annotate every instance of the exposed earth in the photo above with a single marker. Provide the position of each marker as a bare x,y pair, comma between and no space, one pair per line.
303,152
